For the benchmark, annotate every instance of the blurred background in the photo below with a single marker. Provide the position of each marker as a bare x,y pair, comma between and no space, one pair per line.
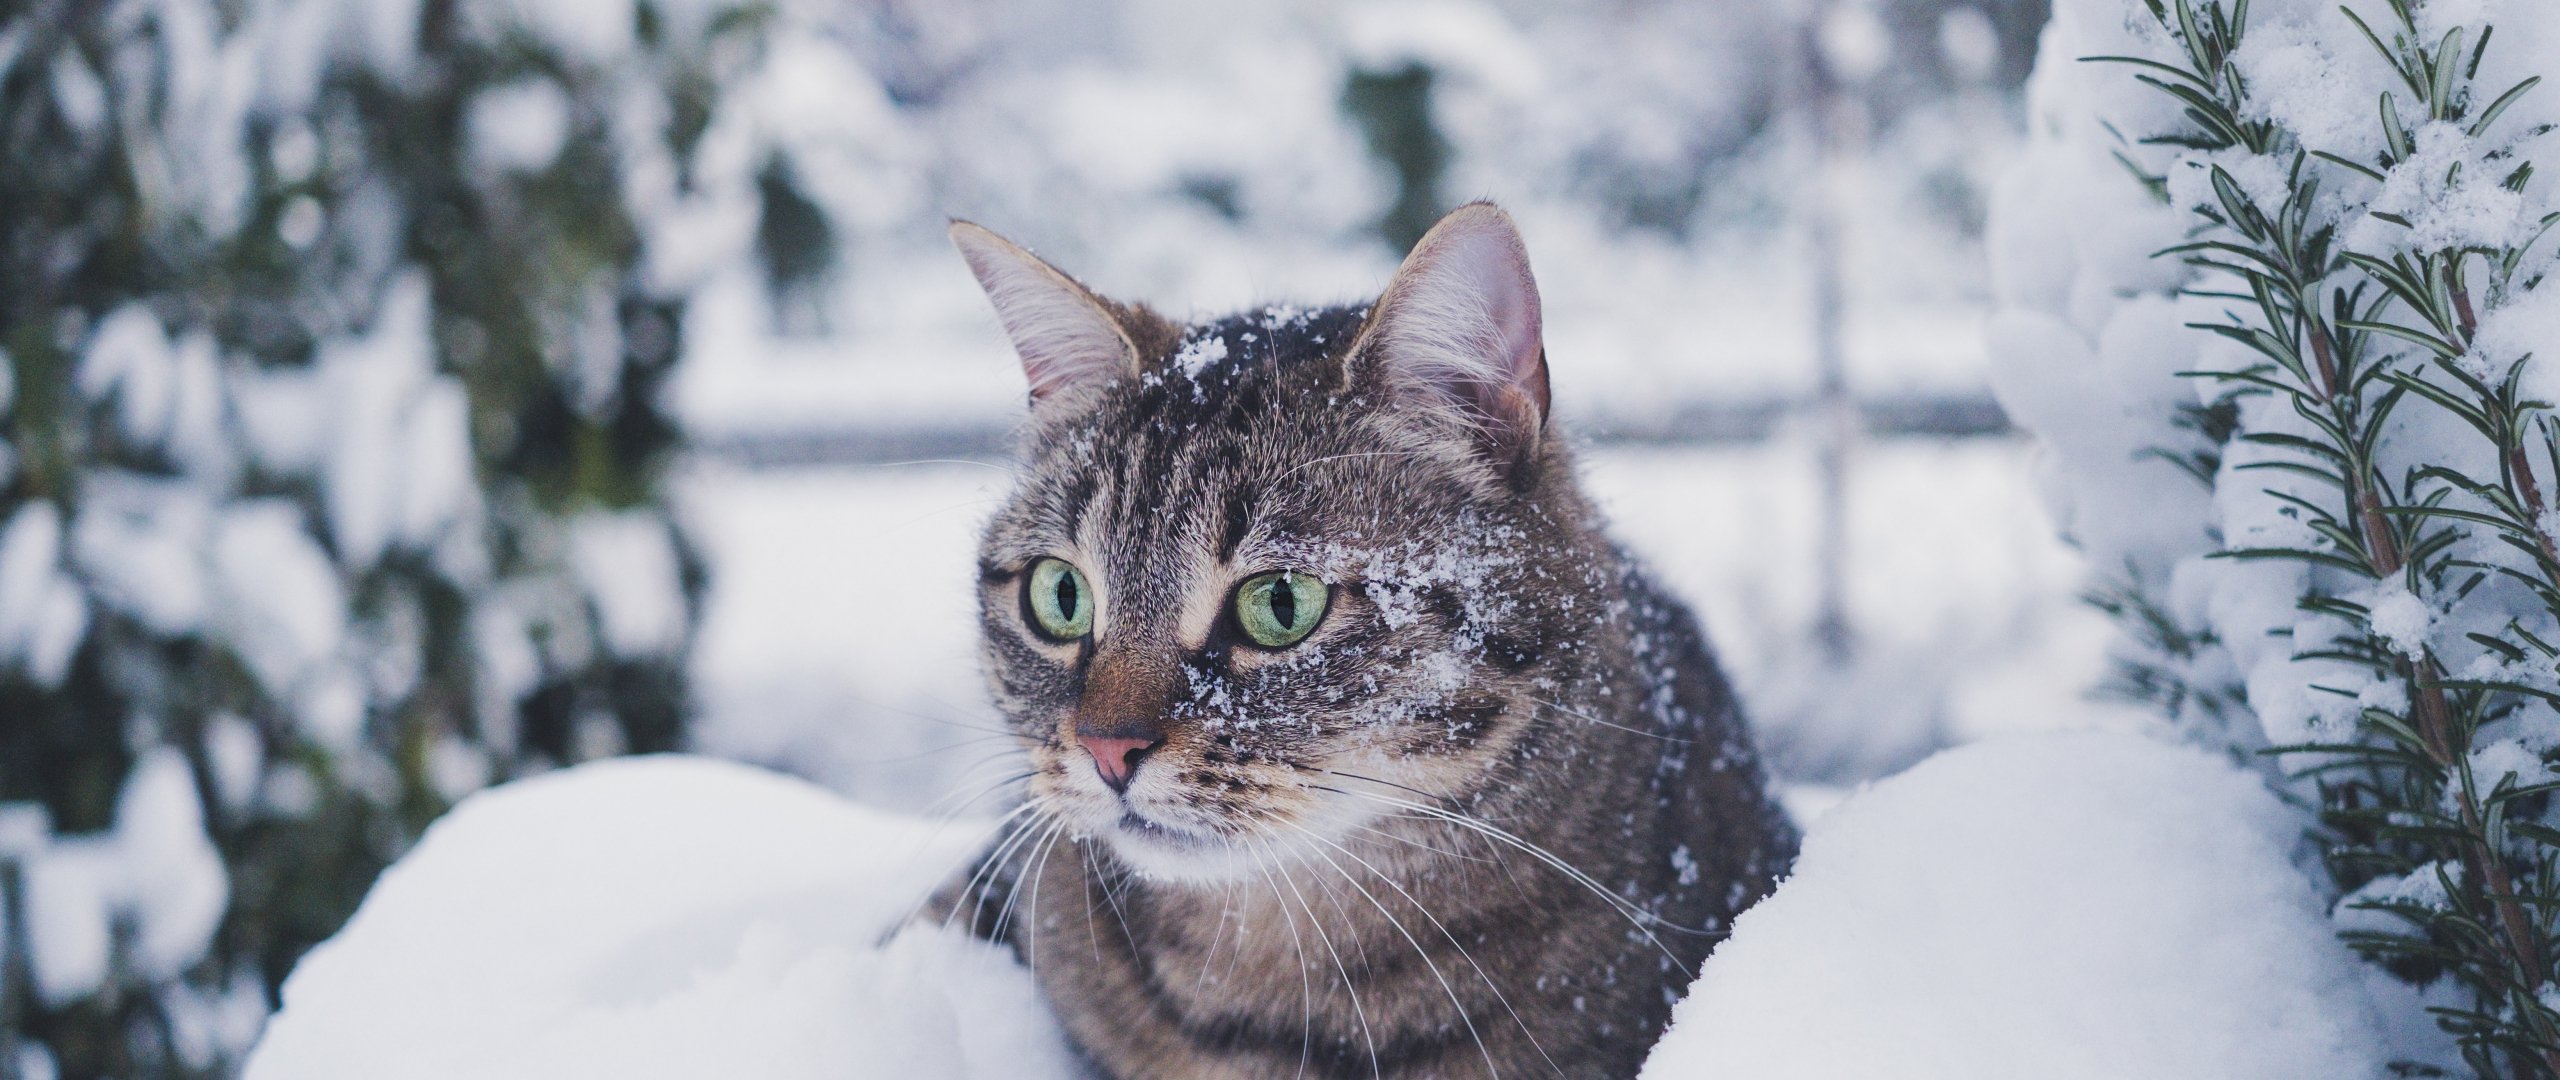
402,396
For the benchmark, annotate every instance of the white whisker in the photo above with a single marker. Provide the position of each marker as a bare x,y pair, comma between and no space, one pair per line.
1454,1001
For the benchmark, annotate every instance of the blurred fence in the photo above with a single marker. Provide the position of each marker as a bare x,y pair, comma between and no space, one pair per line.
1696,423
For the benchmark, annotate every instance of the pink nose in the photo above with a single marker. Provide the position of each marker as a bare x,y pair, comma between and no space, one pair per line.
1117,759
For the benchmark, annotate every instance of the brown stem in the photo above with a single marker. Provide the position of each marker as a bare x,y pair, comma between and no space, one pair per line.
2529,493
2319,335
2382,549
2485,872
2434,719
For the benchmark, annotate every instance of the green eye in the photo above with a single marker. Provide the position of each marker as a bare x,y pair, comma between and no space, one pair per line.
1061,603
1279,609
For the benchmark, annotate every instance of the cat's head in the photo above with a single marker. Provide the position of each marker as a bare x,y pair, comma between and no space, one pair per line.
1261,577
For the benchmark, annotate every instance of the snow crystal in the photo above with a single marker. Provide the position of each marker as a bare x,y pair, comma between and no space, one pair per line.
2497,761
2041,907
1684,864
1198,353
2450,192
2261,179
2388,695
2399,618
2362,910
661,917
2527,325
2294,68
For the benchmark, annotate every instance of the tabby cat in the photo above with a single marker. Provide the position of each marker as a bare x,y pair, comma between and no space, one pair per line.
1355,749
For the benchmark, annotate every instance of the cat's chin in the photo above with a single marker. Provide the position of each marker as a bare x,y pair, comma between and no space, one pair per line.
1161,852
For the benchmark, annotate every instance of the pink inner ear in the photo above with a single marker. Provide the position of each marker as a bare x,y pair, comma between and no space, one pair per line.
1462,318
1060,332
1517,323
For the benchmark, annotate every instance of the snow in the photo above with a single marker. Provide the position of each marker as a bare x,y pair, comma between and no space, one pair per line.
838,641
1447,35
1128,116
67,925
2093,337
280,595
1197,354
661,917
593,31
628,564
171,877
139,539
42,615
128,358
2503,760
397,466
2084,905
2449,192
839,637
156,871
2400,618
519,127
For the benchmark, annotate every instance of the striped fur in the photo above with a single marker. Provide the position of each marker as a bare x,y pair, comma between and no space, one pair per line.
1486,820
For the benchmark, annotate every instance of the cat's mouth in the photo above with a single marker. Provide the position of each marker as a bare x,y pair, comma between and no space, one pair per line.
1174,853
1157,832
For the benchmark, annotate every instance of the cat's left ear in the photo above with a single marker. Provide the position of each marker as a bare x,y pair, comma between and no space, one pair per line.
1067,336
1458,331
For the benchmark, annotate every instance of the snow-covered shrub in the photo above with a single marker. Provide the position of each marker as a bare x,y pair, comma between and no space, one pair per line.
2275,294
330,458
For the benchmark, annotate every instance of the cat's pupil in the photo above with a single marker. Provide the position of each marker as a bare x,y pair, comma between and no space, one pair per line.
1067,597
1284,603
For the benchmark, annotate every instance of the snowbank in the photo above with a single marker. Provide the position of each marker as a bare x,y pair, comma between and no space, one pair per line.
660,917
2083,905
2086,905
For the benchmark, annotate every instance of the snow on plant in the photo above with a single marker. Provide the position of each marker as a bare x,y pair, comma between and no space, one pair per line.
331,342
2274,292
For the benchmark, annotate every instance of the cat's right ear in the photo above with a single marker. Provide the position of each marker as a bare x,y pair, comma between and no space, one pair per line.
1066,336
